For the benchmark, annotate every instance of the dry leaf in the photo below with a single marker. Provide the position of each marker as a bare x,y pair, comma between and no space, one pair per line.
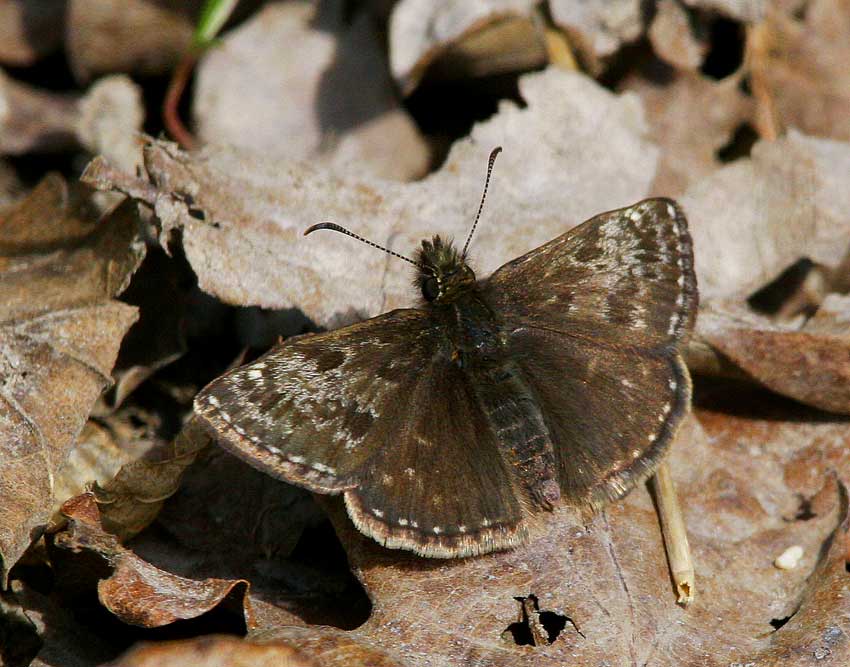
30,29
677,37
33,119
109,121
804,68
574,151
421,31
300,81
61,331
218,651
810,364
134,496
137,592
96,457
754,218
102,36
598,27
674,108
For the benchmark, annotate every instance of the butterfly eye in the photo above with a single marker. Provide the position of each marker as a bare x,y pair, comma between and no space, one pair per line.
430,288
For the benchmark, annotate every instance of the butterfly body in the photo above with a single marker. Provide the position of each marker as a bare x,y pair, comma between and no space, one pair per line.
449,427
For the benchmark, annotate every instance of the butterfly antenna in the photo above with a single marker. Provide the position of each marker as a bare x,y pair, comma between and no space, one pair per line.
493,154
342,230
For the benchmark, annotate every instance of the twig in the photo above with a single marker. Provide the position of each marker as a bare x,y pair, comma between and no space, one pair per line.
170,113
675,535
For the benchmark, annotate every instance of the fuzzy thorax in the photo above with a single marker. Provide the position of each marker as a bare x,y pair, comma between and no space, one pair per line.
445,273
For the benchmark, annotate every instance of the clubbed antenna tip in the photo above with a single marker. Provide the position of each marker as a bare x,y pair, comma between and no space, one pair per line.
493,154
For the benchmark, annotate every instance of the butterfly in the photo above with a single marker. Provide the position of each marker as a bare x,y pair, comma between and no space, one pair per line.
451,427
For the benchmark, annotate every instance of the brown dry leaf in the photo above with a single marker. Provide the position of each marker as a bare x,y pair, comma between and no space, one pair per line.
134,496
298,80
604,589
750,222
575,150
30,29
675,109
804,68
107,120
676,36
421,32
61,331
810,363
102,36
598,28
224,651
33,119
96,457
137,592
755,217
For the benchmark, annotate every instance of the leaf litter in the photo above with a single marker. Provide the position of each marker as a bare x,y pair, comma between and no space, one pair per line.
761,466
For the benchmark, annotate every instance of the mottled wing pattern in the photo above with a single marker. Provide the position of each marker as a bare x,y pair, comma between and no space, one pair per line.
376,410
610,413
311,409
440,487
625,277
593,319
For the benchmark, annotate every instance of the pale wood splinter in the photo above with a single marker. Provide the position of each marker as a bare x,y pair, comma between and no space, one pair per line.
675,535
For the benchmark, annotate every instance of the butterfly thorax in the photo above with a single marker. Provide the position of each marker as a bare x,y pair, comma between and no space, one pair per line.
444,275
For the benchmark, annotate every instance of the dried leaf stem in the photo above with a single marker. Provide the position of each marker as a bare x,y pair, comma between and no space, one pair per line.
675,534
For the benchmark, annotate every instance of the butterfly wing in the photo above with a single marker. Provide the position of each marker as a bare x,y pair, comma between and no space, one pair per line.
624,277
594,318
378,411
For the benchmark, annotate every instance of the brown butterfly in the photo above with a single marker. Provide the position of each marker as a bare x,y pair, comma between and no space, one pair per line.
448,426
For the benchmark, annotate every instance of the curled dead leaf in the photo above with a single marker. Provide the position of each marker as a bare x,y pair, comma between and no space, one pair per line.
137,592
420,32
810,363
134,497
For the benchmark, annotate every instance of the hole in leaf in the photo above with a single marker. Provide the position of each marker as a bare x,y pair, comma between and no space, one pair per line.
535,627
197,213
770,298
739,145
727,49
804,512
779,622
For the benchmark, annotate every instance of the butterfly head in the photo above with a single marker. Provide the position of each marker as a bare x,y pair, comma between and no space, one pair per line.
444,273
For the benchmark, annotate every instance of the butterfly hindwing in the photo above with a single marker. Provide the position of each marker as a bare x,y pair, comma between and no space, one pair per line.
440,486
611,438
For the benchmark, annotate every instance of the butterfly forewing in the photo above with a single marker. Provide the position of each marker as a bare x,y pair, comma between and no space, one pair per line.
378,410
311,410
624,277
